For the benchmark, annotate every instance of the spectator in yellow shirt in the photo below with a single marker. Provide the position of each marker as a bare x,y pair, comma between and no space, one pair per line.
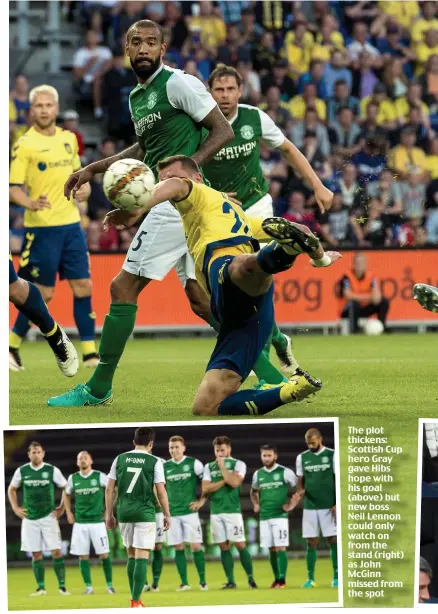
425,22
211,27
406,158
386,115
426,49
432,159
298,105
402,12
413,98
297,48
328,39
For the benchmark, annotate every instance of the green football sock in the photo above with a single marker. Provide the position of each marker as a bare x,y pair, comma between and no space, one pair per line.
246,560
38,572
265,370
107,565
157,566
199,558
334,558
117,328
282,564
84,566
279,341
181,565
311,562
59,569
228,565
274,564
130,571
138,577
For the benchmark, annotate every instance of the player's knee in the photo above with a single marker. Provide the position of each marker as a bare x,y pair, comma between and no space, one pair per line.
18,292
86,557
312,543
332,540
179,547
224,546
47,292
240,545
37,556
81,287
195,547
103,556
56,554
123,290
204,407
158,547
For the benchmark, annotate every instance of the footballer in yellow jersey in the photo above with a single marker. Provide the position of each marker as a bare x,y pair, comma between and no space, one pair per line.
54,242
239,283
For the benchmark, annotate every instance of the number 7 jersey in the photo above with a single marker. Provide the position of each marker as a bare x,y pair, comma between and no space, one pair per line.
135,474
213,227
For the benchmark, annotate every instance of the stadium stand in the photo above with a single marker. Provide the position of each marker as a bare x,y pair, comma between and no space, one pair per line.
353,85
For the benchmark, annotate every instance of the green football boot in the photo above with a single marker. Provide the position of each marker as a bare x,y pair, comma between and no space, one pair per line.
79,396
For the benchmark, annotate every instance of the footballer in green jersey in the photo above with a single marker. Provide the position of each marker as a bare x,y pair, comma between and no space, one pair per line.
236,168
138,475
87,486
169,108
39,527
157,555
183,474
270,490
316,484
221,483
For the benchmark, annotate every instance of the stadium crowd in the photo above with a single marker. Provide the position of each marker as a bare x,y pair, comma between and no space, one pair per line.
354,85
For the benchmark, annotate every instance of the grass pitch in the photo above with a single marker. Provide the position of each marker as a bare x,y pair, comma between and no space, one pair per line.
371,377
21,582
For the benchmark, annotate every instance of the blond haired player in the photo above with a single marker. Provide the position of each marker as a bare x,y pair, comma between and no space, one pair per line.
54,242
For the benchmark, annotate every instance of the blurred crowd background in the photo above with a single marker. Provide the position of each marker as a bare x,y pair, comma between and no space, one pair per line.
354,85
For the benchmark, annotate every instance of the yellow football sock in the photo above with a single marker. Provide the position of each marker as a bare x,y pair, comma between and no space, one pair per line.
15,340
88,347
285,393
53,331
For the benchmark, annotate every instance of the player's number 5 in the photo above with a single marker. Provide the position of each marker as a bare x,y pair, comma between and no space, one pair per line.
136,471
227,208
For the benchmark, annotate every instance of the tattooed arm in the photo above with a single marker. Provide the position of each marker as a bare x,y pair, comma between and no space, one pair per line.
220,132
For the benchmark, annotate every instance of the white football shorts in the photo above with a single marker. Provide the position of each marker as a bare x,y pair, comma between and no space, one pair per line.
159,245
263,208
318,522
138,534
274,533
185,529
227,527
85,534
41,534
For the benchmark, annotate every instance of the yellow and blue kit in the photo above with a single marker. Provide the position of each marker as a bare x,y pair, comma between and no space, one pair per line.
54,240
217,231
